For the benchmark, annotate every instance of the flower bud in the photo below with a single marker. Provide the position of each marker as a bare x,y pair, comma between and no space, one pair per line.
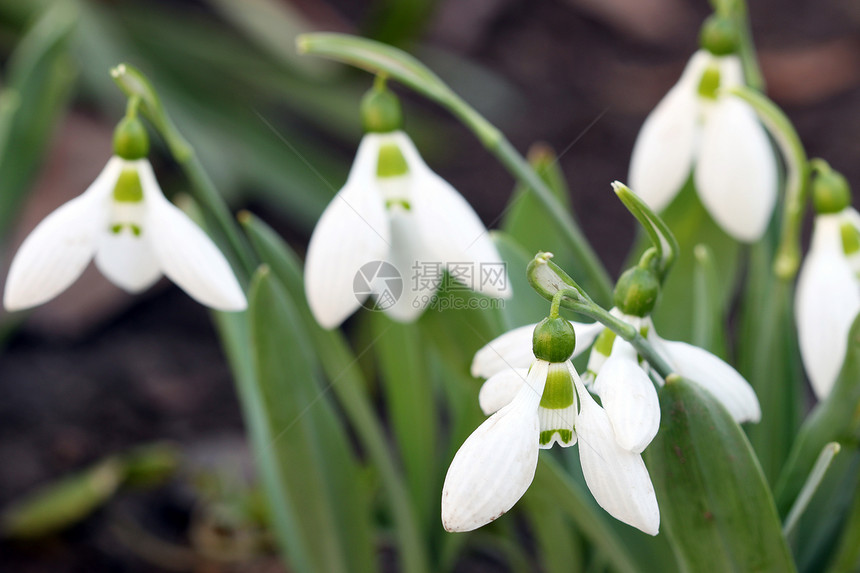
719,35
380,110
130,140
554,340
830,192
636,291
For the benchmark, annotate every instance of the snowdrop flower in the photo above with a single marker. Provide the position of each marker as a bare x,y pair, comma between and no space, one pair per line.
619,377
134,233
393,208
828,288
549,405
699,127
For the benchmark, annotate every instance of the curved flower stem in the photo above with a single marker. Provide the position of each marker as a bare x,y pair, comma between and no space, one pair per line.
572,300
395,64
787,259
552,283
139,90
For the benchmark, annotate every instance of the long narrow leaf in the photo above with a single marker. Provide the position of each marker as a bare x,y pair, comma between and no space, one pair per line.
714,502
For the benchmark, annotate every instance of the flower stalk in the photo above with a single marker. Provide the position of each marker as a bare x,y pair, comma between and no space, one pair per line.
395,64
552,283
137,87
787,259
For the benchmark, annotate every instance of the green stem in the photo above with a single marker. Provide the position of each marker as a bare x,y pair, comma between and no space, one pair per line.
556,302
752,71
787,259
552,283
139,89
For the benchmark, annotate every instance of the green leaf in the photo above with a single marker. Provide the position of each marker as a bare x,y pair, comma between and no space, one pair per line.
714,502
590,520
661,237
341,367
833,420
525,218
846,556
39,78
769,358
411,405
708,321
63,503
298,441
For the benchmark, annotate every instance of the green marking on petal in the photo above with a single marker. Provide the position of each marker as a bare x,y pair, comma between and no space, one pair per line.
402,203
850,238
564,435
710,82
135,230
558,392
128,188
604,342
391,162
115,229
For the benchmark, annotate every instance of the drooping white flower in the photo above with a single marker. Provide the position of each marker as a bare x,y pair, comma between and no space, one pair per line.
699,127
135,235
393,208
496,464
828,296
626,377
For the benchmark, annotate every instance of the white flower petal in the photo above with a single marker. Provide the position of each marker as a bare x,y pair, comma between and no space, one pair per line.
826,303
496,464
736,172
353,231
451,228
513,349
186,254
617,478
127,261
421,273
665,147
714,375
629,398
500,389
731,71
58,250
